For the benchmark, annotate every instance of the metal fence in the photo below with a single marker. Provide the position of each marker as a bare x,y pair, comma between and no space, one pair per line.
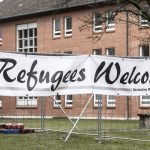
84,125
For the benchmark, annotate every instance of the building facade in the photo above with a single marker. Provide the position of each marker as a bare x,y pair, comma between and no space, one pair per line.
51,27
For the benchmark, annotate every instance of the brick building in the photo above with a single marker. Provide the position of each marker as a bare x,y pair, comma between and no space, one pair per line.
43,26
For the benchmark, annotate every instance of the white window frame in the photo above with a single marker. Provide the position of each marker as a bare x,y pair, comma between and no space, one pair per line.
111,102
141,50
143,22
68,32
96,28
57,101
1,103
97,51
29,43
68,102
97,100
56,34
107,51
110,26
144,102
26,101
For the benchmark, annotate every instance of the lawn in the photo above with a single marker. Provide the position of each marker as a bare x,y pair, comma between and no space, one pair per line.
115,135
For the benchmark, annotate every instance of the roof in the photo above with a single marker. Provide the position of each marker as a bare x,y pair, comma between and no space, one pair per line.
18,8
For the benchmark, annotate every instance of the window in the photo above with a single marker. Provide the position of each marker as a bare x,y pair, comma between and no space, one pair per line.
68,100
145,101
97,98
97,22
27,37
56,28
27,42
26,101
110,51
68,26
0,103
143,22
0,36
110,23
111,102
144,50
57,101
97,52
110,98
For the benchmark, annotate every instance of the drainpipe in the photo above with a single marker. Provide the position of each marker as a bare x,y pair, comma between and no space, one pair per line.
127,54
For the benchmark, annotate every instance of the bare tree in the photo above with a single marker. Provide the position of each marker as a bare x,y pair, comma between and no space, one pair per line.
135,9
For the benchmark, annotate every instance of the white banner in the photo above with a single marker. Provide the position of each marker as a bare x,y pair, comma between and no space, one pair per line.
40,75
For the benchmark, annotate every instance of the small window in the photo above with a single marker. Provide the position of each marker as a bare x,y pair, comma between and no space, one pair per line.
110,23
26,101
0,103
56,28
68,100
110,51
97,22
143,22
57,101
68,26
144,50
97,99
0,36
145,101
111,102
97,52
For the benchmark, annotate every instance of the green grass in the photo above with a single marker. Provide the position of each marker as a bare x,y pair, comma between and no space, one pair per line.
50,140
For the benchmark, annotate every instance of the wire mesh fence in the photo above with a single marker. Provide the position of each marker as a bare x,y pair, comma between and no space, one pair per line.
44,125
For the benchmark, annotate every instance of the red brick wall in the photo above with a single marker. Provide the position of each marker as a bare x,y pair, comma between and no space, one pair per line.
79,43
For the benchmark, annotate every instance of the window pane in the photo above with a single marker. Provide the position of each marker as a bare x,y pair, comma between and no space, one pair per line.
35,32
110,17
20,43
57,24
31,42
69,97
25,43
57,97
98,19
20,34
30,32
145,50
31,50
97,52
111,97
25,33
111,51
98,97
68,23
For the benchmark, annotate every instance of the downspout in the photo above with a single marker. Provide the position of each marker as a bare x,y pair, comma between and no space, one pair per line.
127,54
